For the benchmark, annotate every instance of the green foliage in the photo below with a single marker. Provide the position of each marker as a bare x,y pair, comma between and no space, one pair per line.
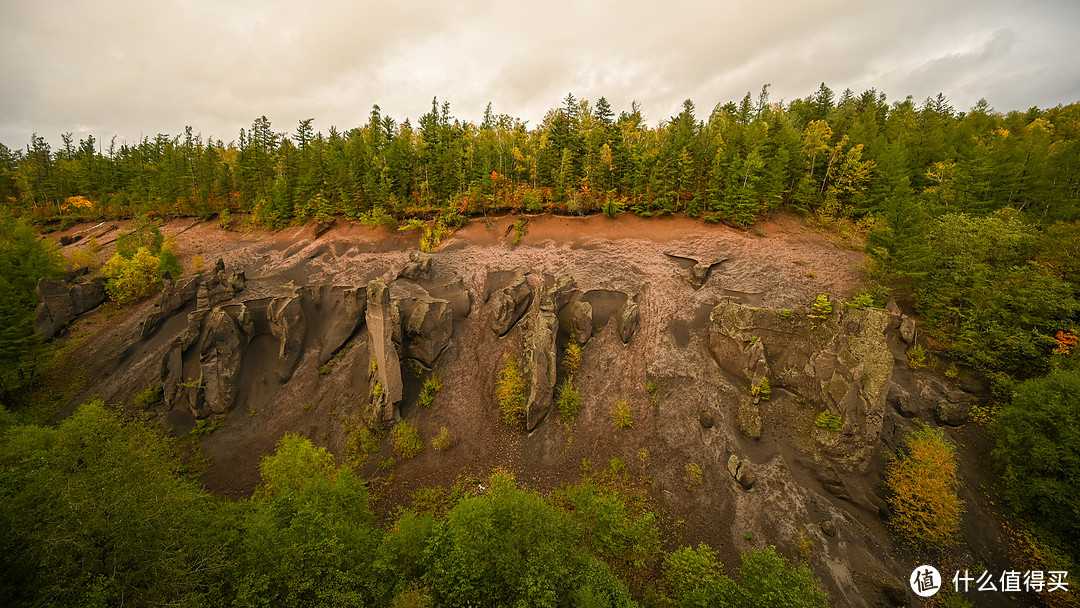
510,393
129,280
207,426
692,578
820,308
861,301
95,509
509,547
361,444
622,414
923,481
768,581
829,421
519,230
568,400
762,390
1038,452
432,386
406,440
918,357
24,259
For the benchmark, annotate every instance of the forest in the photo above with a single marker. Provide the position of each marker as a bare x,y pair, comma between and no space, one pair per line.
970,218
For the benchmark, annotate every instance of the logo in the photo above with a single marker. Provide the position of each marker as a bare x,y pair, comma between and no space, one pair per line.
925,581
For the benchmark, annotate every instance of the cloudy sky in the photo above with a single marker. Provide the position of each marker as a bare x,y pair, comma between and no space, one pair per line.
135,67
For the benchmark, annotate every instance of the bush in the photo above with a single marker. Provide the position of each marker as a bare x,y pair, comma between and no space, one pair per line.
1038,452
572,358
762,391
406,440
693,476
432,385
510,393
829,421
362,443
821,308
918,357
147,397
568,400
926,509
129,280
442,440
624,418
768,581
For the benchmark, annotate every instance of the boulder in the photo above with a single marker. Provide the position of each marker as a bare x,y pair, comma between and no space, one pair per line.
907,329
902,401
428,329
705,418
576,320
509,304
560,292
828,527
733,465
540,360
456,293
417,268
741,472
381,320
952,414
628,319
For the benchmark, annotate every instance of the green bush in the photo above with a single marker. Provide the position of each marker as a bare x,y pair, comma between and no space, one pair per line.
692,478
148,396
1038,452
624,417
510,393
829,421
568,400
821,308
129,280
442,440
406,440
432,385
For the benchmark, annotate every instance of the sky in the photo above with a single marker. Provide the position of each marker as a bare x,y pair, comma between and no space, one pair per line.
133,68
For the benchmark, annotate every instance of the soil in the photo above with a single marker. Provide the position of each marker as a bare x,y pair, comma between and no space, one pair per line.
784,263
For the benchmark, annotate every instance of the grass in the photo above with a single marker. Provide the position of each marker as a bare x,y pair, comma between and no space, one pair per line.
406,440
361,444
623,416
568,400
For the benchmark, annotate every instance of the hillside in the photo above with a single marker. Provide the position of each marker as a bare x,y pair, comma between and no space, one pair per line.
679,320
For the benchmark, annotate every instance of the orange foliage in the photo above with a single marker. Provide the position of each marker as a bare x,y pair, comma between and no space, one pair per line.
1066,342
926,508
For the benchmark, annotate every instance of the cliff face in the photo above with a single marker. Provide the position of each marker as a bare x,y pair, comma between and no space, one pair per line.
708,334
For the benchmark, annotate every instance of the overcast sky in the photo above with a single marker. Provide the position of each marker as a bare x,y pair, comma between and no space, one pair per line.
135,67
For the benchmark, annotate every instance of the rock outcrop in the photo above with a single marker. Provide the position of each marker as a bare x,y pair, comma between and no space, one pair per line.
509,304
842,364
381,321
628,319
418,267
173,297
540,364
219,287
60,302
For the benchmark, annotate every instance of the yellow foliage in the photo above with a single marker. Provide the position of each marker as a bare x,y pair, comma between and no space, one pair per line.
926,509
131,280
510,391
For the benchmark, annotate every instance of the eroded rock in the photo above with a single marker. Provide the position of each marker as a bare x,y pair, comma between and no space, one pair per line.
509,304
380,322
173,297
60,302
540,359
418,267
628,319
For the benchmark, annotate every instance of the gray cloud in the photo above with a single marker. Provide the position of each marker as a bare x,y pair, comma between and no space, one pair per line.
134,67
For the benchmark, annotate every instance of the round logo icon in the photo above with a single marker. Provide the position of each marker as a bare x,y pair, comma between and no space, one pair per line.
925,581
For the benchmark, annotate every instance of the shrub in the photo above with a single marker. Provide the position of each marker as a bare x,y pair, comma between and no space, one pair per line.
923,480
362,443
129,280
510,392
1038,452
568,400
821,308
829,421
572,358
406,440
918,357
432,385
861,301
762,391
519,230
148,396
624,418
198,264
442,440
693,476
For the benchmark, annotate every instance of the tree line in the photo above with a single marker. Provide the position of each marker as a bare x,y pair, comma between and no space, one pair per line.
848,154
